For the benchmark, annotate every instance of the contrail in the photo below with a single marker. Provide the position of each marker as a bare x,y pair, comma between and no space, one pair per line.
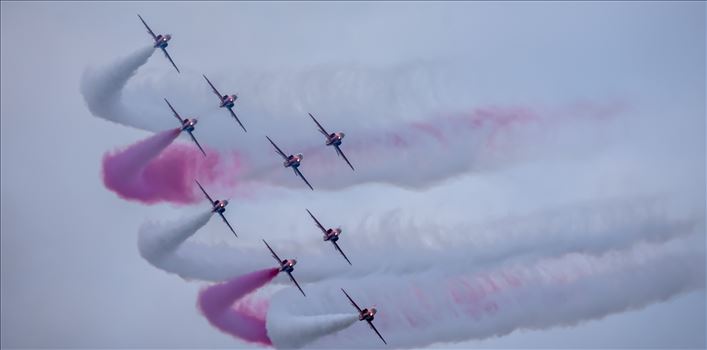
444,283
593,228
289,331
437,307
226,307
404,153
158,243
102,88
152,170
216,303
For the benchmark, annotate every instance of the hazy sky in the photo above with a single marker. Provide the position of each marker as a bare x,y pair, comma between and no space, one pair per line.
71,272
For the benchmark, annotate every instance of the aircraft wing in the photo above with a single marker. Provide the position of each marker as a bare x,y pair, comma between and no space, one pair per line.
154,37
176,115
213,88
227,224
341,251
204,191
299,173
238,120
321,129
375,330
170,59
351,300
197,144
273,253
296,284
317,221
341,153
277,148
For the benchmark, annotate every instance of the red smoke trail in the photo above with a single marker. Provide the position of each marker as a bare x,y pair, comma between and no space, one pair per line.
142,173
217,305
152,170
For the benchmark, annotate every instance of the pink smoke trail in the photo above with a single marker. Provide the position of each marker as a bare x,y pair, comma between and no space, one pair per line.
438,306
420,154
484,137
152,170
217,305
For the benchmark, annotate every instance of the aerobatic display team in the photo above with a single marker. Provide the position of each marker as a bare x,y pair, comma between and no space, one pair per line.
352,291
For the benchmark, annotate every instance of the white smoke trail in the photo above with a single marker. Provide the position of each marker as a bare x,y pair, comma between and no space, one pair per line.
592,228
404,153
103,88
434,307
159,244
402,92
289,331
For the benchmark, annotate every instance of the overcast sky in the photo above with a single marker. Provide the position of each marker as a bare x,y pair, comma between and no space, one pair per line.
71,272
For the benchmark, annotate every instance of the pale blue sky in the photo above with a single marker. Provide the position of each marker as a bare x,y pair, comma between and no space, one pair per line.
71,273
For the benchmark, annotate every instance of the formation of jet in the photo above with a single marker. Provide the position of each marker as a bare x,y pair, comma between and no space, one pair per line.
161,41
187,125
331,235
292,161
333,139
365,315
286,265
217,206
226,101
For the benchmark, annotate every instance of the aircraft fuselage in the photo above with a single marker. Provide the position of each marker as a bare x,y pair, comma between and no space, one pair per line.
188,124
293,161
220,206
288,265
335,139
162,41
367,315
332,235
228,101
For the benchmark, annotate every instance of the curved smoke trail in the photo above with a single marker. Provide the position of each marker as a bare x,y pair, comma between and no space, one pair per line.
534,276
403,155
593,228
152,170
159,243
224,304
295,331
407,155
438,307
103,88
452,305
217,305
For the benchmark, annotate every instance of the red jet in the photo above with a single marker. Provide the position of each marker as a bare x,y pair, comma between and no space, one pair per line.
227,101
286,265
187,125
291,161
331,235
217,206
333,139
365,315
160,41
